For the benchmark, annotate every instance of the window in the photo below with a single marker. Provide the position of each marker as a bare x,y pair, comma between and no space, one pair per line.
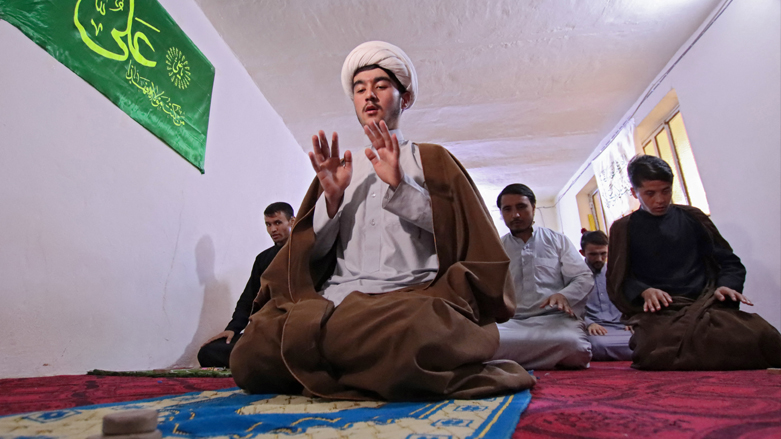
597,216
671,143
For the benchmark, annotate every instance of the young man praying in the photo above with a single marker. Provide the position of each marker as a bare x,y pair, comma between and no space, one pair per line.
680,284
394,277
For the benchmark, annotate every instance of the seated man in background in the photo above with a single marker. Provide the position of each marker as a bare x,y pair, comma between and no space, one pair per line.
678,280
217,350
551,283
364,305
609,337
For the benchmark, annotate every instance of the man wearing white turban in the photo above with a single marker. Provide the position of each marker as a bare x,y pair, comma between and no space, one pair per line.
393,279
385,56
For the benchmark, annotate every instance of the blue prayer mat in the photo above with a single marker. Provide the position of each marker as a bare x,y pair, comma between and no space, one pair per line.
232,413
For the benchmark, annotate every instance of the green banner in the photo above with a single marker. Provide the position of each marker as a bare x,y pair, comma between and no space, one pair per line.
133,52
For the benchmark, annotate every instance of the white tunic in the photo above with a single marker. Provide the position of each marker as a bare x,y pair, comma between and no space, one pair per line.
384,238
538,338
546,264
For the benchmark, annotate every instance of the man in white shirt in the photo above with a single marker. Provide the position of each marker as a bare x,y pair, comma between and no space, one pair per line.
382,223
393,277
551,283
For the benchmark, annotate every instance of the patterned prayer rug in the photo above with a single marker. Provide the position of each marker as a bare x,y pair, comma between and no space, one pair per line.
233,413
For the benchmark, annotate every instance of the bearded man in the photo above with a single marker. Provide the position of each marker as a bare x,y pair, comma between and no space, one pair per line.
394,277
608,336
551,284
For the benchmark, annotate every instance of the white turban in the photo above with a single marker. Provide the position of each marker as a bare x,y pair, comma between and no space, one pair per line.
388,57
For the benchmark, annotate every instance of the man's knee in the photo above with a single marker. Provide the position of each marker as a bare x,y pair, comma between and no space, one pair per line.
215,354
576,348
599,347
257,372
573,339
256,359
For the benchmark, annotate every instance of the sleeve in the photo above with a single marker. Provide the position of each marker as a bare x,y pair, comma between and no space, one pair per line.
244,305
732,272
326,229
633,288
587,319
411,202
618,266
590,313
578,280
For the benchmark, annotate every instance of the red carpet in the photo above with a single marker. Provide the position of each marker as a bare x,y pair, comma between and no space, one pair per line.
610,400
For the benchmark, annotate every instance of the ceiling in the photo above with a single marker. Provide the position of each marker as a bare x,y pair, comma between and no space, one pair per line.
519,90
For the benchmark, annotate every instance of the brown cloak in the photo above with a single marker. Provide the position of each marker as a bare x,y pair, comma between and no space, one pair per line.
424,342
701,334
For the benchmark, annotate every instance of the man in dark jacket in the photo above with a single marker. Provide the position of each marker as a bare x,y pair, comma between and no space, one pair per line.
680,284
217,350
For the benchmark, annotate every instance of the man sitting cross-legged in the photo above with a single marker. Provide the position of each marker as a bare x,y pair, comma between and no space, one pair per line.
551,282
217,350
394,275
677,278
609,337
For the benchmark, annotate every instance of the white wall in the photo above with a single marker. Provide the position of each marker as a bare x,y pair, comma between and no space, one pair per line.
115,253
729,91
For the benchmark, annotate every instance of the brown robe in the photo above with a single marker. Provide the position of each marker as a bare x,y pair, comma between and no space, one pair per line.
424,342
690,334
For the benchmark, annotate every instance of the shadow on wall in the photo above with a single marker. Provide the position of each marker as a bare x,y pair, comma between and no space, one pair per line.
217,303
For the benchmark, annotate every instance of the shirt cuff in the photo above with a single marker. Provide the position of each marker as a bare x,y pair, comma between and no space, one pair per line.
320,220
410,202
326,229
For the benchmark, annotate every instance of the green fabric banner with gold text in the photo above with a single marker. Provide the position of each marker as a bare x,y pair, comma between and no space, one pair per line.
134,53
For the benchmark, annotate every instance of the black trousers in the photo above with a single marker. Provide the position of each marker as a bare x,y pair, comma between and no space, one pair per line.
217,353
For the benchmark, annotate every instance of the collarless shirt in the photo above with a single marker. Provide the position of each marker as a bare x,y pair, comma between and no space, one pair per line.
384,237
544,265
667,253
599,308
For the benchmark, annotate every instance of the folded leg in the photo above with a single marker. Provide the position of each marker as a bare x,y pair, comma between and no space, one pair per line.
544,342
420,346
217,353
614,346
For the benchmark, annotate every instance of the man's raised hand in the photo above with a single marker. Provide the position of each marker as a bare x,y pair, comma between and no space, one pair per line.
334,175
386,159
722,293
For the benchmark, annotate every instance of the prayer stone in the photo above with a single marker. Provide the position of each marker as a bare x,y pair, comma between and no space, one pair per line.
156,434
130,422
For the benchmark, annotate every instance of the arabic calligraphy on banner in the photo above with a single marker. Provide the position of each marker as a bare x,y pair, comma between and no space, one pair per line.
135,54
611,176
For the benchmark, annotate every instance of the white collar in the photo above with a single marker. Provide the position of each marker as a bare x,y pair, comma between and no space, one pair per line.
399,136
